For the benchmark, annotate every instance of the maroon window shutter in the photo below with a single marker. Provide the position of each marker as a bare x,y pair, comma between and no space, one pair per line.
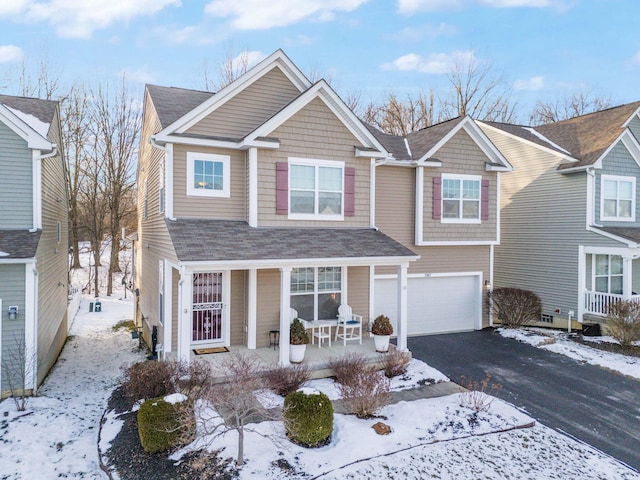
437,198
349,192
282,188
484,200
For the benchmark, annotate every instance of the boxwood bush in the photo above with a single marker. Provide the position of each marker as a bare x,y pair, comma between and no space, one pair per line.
159,425
308,418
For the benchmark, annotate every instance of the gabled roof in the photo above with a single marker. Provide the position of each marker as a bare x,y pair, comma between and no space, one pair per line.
30,118
172,103
589,136
530,135
423,142
200,240
18,244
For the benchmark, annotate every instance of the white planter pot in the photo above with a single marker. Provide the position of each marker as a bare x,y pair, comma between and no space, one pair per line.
296,353
381,342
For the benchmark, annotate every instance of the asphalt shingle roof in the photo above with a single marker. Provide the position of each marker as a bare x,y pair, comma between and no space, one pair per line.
629,233
172,103
43,110
525,132
227,240
421,141
19,243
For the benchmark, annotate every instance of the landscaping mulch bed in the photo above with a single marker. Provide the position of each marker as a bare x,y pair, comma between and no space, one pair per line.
127,458
632,351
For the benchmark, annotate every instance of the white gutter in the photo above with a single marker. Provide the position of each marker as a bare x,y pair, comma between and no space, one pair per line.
37,185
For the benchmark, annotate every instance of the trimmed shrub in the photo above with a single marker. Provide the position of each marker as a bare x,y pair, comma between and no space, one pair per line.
308,418
395,363
623,322
285,380
515,307
344,368
159,425
366,392
149,379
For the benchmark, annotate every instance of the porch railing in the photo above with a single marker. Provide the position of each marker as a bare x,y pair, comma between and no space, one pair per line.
598,303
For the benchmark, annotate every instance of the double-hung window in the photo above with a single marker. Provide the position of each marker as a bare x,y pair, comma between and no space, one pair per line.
461,196
316,189
618,198
208,175
608,274
315,292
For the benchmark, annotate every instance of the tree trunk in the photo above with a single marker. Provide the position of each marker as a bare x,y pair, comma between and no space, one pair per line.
75,262
96,261
240,460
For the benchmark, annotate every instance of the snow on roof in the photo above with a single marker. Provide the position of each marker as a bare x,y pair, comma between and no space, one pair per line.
545,139
42,128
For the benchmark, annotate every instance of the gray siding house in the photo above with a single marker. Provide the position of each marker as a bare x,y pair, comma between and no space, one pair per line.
570,219
33,241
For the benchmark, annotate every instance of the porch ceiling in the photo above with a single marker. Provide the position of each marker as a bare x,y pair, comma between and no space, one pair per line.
224,240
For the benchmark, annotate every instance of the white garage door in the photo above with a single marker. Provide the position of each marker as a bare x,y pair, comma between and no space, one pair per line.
434,304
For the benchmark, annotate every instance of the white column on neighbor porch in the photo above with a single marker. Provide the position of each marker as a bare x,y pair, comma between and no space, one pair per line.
402,308
285,308
253,187
184,308
627,277
252,308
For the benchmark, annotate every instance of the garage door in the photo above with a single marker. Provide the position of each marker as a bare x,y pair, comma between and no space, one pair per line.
434,304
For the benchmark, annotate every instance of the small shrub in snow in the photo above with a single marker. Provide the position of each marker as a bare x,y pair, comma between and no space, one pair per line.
515,307
623,322
285,380
395,363
366,391
159,425
479,395
308,418
344,368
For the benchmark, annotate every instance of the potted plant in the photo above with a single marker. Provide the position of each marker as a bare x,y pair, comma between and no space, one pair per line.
298,339
381,330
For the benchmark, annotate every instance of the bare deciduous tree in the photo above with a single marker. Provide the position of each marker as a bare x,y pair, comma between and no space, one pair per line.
44,83
18,369
233,65
397,117
577,104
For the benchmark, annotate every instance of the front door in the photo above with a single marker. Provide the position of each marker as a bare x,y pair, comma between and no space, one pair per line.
207,320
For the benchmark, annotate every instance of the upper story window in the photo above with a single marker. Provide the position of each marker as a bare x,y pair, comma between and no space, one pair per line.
208,175
618,198
316,189
461,196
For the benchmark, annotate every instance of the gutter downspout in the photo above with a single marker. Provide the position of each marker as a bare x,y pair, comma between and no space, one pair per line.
37,186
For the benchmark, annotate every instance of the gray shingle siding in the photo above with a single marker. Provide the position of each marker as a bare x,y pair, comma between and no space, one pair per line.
16,180
12,284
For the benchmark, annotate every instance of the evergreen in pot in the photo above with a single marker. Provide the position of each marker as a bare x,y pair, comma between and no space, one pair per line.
381,330
298,339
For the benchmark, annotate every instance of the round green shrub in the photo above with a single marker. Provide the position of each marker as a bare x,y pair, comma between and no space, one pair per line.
159,426
308,418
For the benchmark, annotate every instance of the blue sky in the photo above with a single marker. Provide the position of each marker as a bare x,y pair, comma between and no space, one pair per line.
543,49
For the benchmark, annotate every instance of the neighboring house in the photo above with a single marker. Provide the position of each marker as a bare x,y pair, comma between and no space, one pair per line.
570,225
271,194
439,196
33,241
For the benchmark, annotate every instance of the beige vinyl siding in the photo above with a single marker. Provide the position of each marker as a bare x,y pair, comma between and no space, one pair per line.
250,108
460,155
617,162
543,222
16,181
395,203
268,305
238,314
12,292
314,133
154,242
52,261
358,290
231,208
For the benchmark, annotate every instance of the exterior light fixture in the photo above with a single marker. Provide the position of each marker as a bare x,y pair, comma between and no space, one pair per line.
13,312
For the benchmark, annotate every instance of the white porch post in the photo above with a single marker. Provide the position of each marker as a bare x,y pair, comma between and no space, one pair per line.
582,281
184,306
253,187
285,307
252,308
627,277
402,308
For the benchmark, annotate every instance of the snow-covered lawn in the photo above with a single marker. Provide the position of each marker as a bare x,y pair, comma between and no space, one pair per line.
557,341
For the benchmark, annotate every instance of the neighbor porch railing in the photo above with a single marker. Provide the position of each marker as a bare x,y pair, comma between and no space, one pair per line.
598,303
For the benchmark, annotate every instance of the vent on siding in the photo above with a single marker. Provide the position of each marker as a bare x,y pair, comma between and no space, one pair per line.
546,318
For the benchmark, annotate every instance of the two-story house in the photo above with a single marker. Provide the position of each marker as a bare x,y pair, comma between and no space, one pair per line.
33,241
271,194
571,231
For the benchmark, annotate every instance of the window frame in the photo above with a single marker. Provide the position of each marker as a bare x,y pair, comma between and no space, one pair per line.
316,292
317,164
608,275
618,179
226,174
461,178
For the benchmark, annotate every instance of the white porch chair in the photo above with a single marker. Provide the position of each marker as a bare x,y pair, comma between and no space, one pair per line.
349,325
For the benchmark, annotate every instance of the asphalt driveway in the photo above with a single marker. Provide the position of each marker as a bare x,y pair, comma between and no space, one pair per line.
597,406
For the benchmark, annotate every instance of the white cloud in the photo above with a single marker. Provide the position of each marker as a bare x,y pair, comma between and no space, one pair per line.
12,7
261,15
517,3
76,19
414,6
10,53
436,63
531,84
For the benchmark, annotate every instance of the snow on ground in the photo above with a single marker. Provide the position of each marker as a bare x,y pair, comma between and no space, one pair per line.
557,341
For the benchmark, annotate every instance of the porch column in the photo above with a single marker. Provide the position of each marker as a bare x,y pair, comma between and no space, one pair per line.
253,187
252,308
285,307
627,277
184,315
402,308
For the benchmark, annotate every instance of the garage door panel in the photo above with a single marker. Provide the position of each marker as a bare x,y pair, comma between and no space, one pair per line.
435,304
